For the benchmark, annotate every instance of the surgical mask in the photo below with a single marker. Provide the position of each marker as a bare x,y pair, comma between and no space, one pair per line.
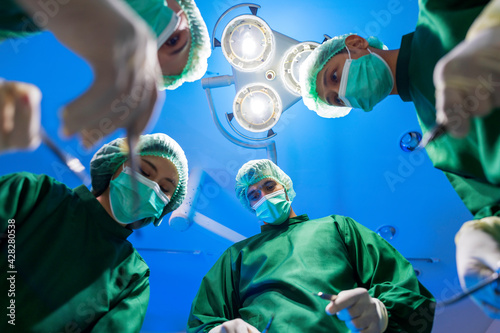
160,18
273,208
148,198
365,81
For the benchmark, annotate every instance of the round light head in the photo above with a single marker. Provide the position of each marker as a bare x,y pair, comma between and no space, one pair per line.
291,62
257,107
247,43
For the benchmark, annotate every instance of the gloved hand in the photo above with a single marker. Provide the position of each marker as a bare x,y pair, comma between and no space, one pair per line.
19,116
234,326
478,256
467,81
359,311
122,53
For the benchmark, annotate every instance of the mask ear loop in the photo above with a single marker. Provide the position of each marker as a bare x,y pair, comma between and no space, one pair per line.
349,52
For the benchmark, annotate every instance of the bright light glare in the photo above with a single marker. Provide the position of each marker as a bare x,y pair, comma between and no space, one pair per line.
246,42
257,108
248,47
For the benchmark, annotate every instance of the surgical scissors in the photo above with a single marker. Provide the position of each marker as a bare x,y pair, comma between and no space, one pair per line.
467,292
437,131
134,165
328,297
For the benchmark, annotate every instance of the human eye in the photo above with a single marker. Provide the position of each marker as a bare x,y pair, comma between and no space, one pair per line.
334,76
253,196
172,41
144,173
339,101
270,186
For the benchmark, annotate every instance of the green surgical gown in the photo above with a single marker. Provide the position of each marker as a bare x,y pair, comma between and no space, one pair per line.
74,269
277,271
472,164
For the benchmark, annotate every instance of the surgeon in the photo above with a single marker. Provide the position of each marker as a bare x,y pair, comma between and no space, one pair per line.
349,71
68,266
461,78
276,273
127,54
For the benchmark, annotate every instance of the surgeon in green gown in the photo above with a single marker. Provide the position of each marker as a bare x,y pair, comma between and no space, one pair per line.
350,71
66,263
275,273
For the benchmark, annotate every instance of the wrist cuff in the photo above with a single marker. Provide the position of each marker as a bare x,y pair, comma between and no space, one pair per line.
382,315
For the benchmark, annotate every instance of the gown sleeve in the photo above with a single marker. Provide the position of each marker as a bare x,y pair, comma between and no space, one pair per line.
217,300
21,193
388,276
129,313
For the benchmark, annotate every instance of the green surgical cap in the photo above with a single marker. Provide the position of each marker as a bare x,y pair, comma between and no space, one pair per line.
199,52
314,63
256,170
112,155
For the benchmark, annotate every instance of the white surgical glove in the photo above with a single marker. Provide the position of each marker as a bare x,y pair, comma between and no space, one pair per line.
122,53
234,326
467,79
19,116
359,311
478,256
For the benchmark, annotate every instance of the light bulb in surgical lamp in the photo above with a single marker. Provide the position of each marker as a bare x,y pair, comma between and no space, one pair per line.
257,107
247,43
290,65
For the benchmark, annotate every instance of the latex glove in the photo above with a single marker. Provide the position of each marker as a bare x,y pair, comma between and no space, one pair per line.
478,256
359,311
19,116
467,81
234,326
122,53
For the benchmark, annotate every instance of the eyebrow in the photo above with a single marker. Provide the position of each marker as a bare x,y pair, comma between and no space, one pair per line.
156,170
325,78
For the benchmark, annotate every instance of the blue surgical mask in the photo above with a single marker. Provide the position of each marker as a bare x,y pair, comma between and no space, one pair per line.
160,18
273,208
365,81
148,198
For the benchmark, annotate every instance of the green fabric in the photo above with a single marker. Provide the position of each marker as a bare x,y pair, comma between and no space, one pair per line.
441,26
75,269
14,22
277,271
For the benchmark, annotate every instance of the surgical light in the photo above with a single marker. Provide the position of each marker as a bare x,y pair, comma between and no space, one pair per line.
291,62
257,107
265,73
247,43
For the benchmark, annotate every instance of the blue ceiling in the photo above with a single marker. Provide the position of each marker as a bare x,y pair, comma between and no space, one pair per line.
350,166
